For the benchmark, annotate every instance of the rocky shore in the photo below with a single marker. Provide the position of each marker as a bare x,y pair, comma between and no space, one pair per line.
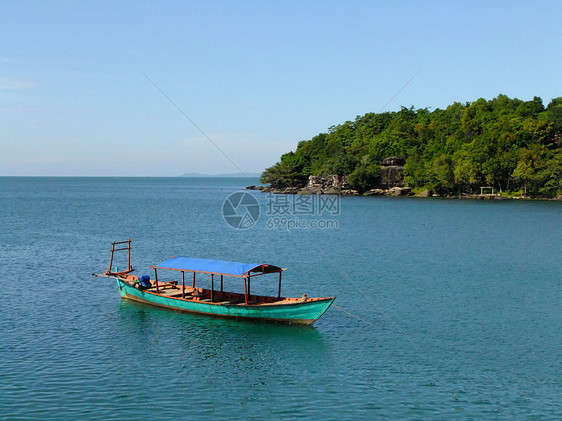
326,185
314,188
391,183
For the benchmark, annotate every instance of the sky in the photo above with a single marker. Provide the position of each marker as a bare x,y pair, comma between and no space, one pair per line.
163,88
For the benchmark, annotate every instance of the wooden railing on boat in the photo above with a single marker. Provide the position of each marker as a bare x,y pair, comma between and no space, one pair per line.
113,250
173,289
192,293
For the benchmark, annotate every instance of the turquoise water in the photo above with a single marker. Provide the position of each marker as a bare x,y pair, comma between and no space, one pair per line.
457,305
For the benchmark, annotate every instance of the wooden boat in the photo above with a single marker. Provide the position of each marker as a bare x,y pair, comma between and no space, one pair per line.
214,301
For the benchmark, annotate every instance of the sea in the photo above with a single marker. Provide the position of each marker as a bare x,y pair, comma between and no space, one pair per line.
445,309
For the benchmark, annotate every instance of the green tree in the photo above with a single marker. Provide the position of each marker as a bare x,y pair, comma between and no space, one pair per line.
364,177
464,172
443,173
529,171
454,149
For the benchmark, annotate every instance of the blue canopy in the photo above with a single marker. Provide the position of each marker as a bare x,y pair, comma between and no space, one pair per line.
217,267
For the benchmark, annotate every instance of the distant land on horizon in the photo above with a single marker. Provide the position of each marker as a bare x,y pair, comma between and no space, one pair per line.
236,174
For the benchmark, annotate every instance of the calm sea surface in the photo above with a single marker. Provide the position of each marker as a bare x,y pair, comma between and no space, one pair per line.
445,308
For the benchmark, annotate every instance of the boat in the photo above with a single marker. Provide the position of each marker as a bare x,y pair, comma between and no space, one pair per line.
215,301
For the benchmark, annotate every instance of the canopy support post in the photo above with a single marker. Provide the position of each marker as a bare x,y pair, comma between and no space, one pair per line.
182,284
221,284
212,286
279,294
245,292
156,280
193,282
129,268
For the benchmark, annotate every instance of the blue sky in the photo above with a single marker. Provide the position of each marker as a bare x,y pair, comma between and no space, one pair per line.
256,76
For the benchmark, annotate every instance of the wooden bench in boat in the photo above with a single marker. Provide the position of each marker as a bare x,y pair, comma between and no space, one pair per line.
233,301
175,293
164,290
254,302
222,300
168,285
198,295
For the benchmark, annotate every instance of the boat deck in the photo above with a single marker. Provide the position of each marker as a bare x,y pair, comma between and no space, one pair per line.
173,290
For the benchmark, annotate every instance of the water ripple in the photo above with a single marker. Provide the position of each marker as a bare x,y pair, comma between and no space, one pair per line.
465,299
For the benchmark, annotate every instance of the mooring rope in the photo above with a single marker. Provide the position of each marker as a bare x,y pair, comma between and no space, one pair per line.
353,315
366,296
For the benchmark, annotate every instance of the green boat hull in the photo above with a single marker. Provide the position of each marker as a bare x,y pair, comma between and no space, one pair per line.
300,312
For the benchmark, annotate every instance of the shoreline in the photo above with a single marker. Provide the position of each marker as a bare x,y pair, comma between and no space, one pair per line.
395,192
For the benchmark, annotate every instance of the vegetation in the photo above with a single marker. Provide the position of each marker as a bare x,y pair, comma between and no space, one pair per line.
510,144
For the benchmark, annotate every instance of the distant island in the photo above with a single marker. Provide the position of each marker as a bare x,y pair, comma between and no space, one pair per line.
508,145
236,174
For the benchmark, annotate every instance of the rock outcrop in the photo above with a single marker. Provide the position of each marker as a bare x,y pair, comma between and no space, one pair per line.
393,161
375,192
400,191
392,172
331,182
391,183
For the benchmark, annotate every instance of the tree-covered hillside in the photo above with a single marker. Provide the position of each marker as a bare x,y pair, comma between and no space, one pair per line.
507,143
